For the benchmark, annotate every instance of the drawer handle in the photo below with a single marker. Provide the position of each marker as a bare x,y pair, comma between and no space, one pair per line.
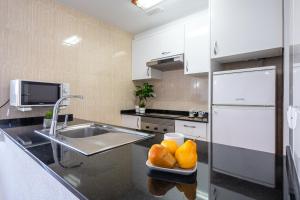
187,126
240,99
165,52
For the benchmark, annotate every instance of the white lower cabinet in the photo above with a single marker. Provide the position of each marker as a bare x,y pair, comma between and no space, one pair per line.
245,127
131,121
21,178
253,86
193,130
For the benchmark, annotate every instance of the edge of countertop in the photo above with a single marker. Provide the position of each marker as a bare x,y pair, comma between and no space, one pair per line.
184,115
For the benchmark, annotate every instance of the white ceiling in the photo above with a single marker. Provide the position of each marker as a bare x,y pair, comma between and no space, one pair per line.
133,19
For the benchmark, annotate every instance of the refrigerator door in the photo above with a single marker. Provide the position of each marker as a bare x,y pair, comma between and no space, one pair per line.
254,86
244,127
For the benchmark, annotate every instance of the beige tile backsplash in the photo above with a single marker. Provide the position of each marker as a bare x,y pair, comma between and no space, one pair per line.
99,67
177,91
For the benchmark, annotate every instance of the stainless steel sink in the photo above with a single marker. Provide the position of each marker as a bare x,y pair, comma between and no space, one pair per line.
84,131
94,138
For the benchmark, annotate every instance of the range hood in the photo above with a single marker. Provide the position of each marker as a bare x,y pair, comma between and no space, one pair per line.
167,63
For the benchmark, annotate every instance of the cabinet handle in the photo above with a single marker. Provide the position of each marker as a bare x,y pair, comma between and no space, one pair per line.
215,48
148,71
240,99
165,52
187,126
187,66
137,123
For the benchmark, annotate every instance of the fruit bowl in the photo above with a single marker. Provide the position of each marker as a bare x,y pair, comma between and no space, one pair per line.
175,170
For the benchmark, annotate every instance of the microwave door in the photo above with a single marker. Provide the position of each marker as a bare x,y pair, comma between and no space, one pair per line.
37,93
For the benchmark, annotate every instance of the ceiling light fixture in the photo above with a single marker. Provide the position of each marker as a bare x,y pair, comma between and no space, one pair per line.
145,4
71,41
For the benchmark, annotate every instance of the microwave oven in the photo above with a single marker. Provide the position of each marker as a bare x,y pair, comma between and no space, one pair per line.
26,94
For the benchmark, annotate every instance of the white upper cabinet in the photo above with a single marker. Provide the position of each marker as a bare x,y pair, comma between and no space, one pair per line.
197,44
143,51
246,29
158,44
189,36
171,41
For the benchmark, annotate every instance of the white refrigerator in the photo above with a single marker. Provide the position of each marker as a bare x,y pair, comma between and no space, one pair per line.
243,112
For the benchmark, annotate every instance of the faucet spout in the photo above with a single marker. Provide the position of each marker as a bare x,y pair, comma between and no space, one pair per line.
53,127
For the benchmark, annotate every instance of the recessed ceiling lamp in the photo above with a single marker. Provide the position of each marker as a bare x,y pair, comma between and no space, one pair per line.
146,4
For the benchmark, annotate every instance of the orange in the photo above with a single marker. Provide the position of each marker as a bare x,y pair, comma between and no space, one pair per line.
171,145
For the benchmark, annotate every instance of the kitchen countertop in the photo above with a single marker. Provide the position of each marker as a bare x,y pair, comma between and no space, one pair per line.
121,173
178,115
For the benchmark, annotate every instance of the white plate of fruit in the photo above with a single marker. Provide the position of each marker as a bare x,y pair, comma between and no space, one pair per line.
170,157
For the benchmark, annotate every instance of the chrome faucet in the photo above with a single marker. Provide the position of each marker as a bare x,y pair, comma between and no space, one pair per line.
56,109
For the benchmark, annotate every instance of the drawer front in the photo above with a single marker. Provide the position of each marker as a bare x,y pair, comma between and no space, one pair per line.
131,121
191,129
244,88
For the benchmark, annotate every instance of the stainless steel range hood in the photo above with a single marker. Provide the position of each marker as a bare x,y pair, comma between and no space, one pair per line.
167,63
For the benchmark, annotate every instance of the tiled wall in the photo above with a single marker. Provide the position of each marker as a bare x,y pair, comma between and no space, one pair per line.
99,67
177,91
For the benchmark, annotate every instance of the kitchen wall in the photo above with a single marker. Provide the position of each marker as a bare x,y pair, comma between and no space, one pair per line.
99,67
176,91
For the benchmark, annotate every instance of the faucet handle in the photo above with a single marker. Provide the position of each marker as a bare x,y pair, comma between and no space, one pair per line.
66,121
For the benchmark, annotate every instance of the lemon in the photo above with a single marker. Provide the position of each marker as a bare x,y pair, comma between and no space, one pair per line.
171,145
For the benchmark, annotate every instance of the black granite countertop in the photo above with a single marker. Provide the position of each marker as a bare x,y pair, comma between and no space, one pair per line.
176,115
223,172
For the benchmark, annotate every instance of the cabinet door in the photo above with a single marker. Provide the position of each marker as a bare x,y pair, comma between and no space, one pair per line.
219,193
197,45
171,41
253,166
248,26
142,52
131,121
244,127
244,88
